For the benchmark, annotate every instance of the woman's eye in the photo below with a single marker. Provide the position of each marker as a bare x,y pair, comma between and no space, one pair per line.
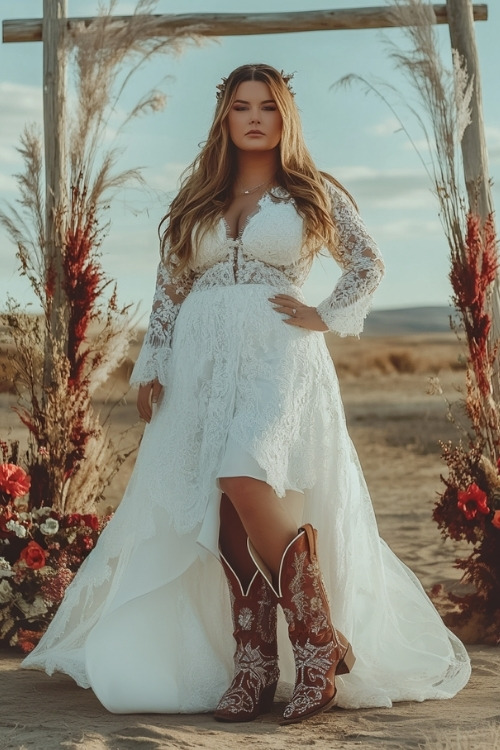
239,108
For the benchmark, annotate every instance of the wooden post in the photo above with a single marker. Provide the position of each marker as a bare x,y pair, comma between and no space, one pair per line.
475,155
54,98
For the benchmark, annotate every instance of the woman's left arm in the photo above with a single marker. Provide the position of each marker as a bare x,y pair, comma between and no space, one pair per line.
344,311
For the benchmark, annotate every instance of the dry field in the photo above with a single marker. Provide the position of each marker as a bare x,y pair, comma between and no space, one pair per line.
396,427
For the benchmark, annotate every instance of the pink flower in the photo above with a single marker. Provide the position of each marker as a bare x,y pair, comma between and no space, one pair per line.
13,480
473,501
87,542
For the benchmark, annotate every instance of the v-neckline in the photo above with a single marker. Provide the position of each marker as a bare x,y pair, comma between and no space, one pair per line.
248,219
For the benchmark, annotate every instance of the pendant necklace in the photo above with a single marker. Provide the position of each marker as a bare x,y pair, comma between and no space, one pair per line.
252,190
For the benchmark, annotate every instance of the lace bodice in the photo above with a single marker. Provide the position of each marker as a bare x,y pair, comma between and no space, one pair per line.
269,249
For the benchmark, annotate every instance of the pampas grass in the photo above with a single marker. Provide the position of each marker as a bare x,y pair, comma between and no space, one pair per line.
58,364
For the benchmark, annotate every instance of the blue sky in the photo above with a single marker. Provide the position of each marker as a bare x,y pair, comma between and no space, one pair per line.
354,136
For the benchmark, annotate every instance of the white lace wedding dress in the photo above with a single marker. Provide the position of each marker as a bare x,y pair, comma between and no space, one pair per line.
146,622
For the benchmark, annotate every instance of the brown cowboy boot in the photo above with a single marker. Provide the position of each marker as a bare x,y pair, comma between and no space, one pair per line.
256,672
320,651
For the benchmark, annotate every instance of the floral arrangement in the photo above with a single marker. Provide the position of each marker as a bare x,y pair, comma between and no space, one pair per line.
41,549
469,507
59,358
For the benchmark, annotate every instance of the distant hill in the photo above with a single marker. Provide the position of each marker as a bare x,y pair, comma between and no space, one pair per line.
408,320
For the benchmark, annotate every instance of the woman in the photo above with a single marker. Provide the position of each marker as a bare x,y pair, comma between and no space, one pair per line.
246,453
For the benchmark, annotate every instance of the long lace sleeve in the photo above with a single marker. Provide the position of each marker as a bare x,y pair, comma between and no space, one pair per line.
345,309
153,357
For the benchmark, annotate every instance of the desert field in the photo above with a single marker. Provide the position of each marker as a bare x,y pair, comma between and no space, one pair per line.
396,427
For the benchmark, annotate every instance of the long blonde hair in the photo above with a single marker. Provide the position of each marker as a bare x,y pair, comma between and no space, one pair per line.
206,189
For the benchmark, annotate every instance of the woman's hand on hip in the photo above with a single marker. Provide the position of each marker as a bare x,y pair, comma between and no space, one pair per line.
147,396
300,315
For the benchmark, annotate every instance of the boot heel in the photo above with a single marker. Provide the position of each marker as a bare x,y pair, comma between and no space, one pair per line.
347,661
267,698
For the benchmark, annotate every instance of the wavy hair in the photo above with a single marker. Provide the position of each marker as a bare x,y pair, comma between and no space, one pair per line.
207,186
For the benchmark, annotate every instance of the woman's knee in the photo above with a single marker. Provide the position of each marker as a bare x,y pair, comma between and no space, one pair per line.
240,490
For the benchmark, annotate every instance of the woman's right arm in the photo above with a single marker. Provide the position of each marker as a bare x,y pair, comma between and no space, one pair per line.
149,372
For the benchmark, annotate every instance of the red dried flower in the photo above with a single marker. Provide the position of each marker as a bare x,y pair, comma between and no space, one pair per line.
496,519
54,587
473,501
27,639
13,480
87,542
91,521
33,555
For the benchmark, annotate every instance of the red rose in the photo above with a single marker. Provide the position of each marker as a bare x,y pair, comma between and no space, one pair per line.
91,521
13,480
473,501
33,555
496,519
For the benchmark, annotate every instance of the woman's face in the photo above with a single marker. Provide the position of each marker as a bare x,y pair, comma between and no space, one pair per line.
254,120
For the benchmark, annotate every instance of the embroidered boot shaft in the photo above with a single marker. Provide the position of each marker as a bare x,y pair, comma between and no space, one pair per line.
256,672
319,650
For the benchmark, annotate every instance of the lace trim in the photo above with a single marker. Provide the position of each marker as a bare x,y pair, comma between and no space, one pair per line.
363,268
153,357
228,262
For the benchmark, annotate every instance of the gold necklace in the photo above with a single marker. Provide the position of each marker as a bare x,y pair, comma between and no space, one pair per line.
252,190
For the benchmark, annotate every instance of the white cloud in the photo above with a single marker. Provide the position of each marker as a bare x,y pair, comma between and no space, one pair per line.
420,145
166,178
387,188
387,127
20,100
21,106
405,228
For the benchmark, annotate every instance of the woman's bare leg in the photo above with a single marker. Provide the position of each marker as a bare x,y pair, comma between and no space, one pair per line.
233,542
265,517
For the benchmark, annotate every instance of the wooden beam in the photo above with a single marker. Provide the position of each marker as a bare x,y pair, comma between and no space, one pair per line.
241,24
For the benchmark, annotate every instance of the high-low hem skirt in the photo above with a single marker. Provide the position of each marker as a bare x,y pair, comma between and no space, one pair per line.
146,623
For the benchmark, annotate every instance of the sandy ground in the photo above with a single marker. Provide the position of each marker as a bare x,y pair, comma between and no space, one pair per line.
395,426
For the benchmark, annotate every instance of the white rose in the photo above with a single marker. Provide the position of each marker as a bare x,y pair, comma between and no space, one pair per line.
5,591
51,526
32,609
19,530
5,568
42,512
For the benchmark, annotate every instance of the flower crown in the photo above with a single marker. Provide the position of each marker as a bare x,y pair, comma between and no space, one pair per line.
286,77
